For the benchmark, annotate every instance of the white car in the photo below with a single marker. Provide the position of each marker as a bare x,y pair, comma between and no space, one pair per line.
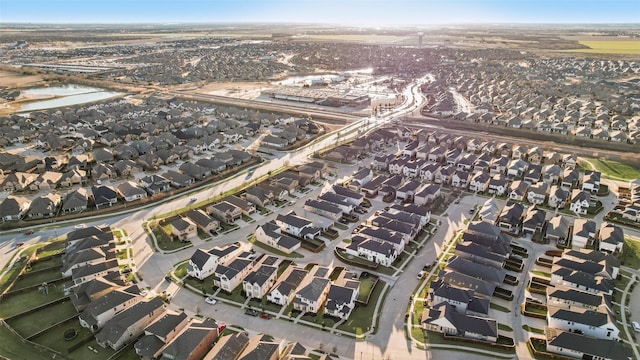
210,300
636,326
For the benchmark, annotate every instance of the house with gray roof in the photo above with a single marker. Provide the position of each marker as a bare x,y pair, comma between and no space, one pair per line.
584,233
610,238
194,342
75,201
14,208
202,263
284,290
297,226
511,217
341,300
594,323
126,326
229,347
534,220
230,275
581,346
311,297
129,191
271,235
443,318
159,333
203,221
259,281
225,212
565,297
96,314
183,229
463,300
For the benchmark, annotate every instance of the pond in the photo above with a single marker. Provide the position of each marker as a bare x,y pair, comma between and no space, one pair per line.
65,95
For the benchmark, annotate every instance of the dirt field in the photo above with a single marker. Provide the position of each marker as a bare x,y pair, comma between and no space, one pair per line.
626,47
12,79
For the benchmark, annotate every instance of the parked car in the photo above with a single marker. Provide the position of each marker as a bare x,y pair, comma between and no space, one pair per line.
636,326
210,300
28,232
167,278
265,316
252,312
420,275
126,270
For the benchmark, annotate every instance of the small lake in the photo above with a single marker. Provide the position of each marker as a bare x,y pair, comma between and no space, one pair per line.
67,95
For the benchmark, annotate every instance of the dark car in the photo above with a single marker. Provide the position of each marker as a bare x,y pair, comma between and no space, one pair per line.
167,278
126,270
28,232
252,312
265,316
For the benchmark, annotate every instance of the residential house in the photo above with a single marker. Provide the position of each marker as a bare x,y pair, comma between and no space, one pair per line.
228,347
557,197
271,235
17,181
297,226
14,208
558,230
480,182
160,333
246,207
341,300
443,318
229,276
427,194
511,217
610,238
130,191
354,198
311,297
48,180
323,208
498,185
183,229
177,179
380,252
44,206
75,201
518,190
202,263
103,195
570,178
225,212
537,194
580,346
461,299
534,221
98,312
155,184
584,233
285,289
580,201
593,323
203,221
591,181
72,177
360,179
194,342
126,326
564,297
259,281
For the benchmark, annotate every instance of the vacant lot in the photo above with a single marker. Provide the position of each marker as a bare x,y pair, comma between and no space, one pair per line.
611,169
610,47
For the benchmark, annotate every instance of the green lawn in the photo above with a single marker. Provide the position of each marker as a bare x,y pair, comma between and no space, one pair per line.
36,321
98,352
181,270
16,304
499,308
631,253
164,242
54,338
236,295
49,262
362,316
611,169
30,279
11,347
533,330
504,327
366,285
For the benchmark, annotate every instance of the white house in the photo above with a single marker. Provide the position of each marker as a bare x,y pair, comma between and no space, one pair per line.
598,324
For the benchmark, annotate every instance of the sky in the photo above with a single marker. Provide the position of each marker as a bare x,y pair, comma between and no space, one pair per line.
355,12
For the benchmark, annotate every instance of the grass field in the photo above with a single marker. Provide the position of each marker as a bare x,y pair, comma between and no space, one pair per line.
12,348
611,169
610,47
30,324
15,304
631,253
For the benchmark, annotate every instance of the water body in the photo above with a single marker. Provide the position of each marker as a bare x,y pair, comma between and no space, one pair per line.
66,95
